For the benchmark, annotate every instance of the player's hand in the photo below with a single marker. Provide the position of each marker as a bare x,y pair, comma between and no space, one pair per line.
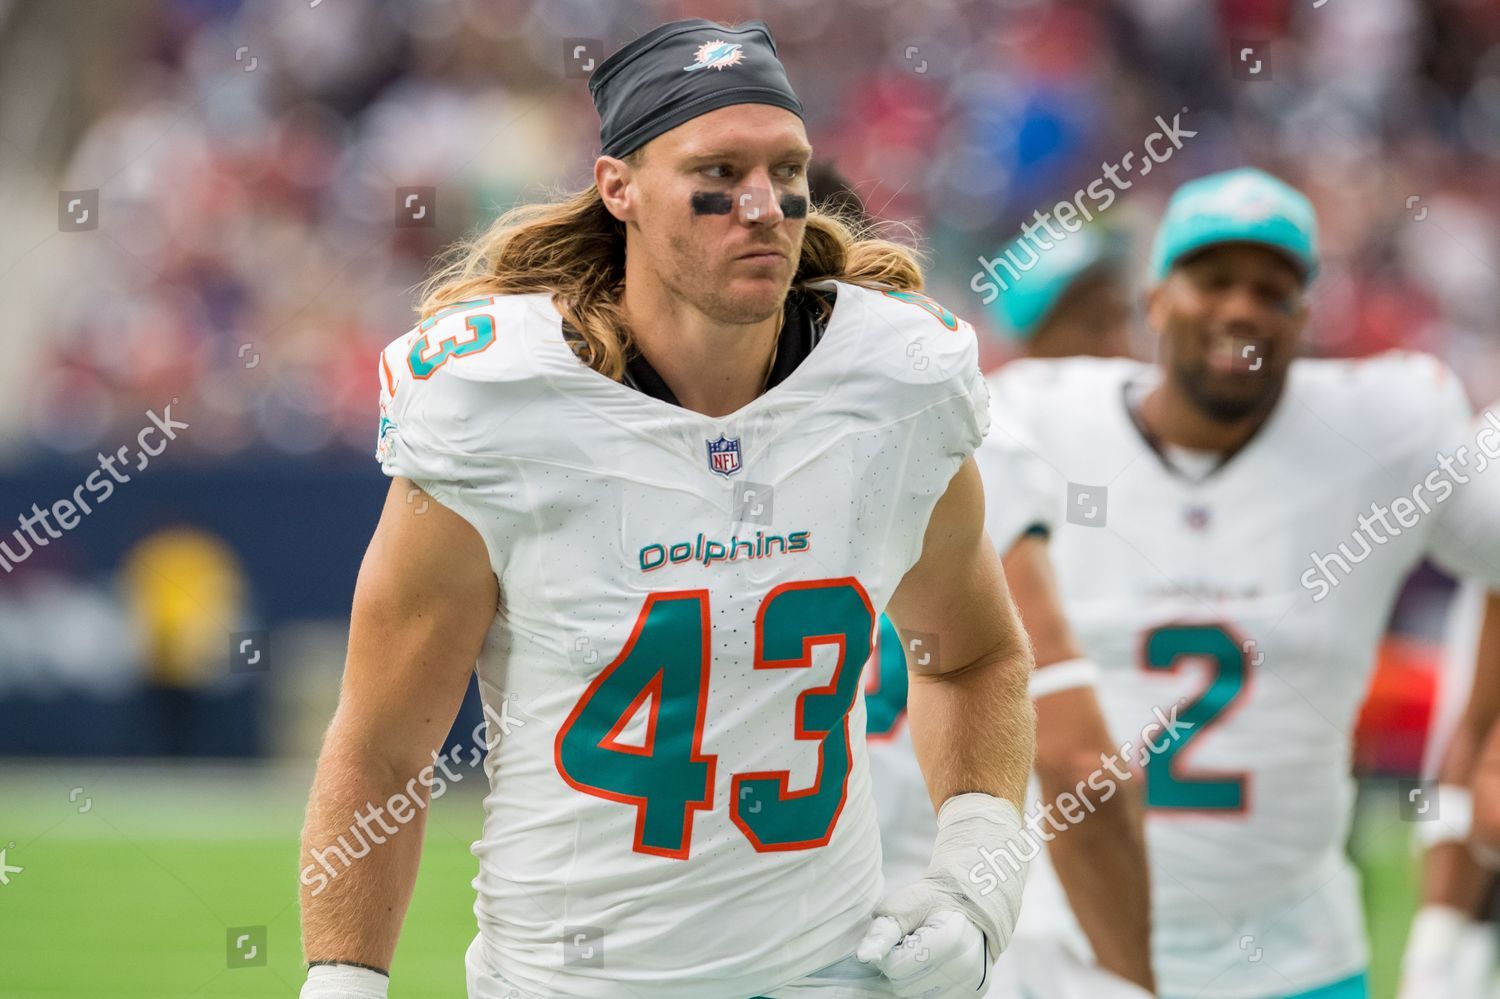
943,956
938,937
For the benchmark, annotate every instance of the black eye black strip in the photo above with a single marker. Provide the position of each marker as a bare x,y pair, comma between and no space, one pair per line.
711,203
793,206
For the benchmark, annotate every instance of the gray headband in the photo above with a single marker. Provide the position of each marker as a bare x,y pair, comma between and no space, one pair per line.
681,70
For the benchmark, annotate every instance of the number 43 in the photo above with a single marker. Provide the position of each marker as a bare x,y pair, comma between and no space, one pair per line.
668,778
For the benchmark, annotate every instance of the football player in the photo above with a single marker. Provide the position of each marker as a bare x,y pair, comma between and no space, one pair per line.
1069,298
1238,525
662,454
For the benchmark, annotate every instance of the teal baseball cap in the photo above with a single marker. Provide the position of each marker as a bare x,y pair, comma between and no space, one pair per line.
1238,206
1033,291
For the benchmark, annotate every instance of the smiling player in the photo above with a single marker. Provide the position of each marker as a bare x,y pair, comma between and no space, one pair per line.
1240,522
684,442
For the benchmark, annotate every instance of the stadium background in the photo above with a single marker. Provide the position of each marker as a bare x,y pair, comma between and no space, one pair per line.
205,206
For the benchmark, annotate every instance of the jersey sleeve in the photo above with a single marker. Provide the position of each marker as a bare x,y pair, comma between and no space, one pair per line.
1466,538
444,432
963,393
413,441
975,394
929,366
917,370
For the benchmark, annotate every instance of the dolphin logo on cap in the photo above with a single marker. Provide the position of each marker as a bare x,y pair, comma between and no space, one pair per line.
1248,198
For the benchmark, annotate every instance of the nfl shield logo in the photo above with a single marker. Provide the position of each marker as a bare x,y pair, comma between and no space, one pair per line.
724,455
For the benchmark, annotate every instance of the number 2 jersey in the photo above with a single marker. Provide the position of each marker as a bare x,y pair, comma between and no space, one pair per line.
680,803
1235,615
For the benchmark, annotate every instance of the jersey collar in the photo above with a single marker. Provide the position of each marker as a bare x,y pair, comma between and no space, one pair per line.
806,321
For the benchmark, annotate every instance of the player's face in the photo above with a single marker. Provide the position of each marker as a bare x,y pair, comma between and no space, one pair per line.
722,208
1230,319
1092,319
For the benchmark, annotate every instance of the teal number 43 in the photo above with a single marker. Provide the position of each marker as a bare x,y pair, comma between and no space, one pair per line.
1168,787
478,333
664,670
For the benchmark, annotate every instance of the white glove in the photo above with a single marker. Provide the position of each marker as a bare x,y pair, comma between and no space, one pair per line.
937,937
1448,956
944,956
344,981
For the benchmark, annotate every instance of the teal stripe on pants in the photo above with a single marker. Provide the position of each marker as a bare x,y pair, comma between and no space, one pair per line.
1357,987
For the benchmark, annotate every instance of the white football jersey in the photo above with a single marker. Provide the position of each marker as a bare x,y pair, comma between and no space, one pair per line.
682,806
1245,605
1018,498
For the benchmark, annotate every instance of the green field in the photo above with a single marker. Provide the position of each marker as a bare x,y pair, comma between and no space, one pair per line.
136,896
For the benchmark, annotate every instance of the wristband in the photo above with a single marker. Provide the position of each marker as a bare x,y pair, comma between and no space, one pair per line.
1065,675
1455,807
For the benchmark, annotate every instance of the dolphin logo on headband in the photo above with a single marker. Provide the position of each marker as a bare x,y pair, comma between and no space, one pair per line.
717,54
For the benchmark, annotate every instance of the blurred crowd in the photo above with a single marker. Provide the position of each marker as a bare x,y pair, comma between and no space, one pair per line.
247,156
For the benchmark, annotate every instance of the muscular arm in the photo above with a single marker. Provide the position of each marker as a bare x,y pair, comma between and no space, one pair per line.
971,719
424,599
1100,861
1473,757
1487,796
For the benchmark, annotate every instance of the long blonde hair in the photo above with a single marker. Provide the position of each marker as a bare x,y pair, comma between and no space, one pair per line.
575,249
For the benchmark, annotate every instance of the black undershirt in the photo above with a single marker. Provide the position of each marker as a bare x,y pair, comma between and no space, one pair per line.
804,325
